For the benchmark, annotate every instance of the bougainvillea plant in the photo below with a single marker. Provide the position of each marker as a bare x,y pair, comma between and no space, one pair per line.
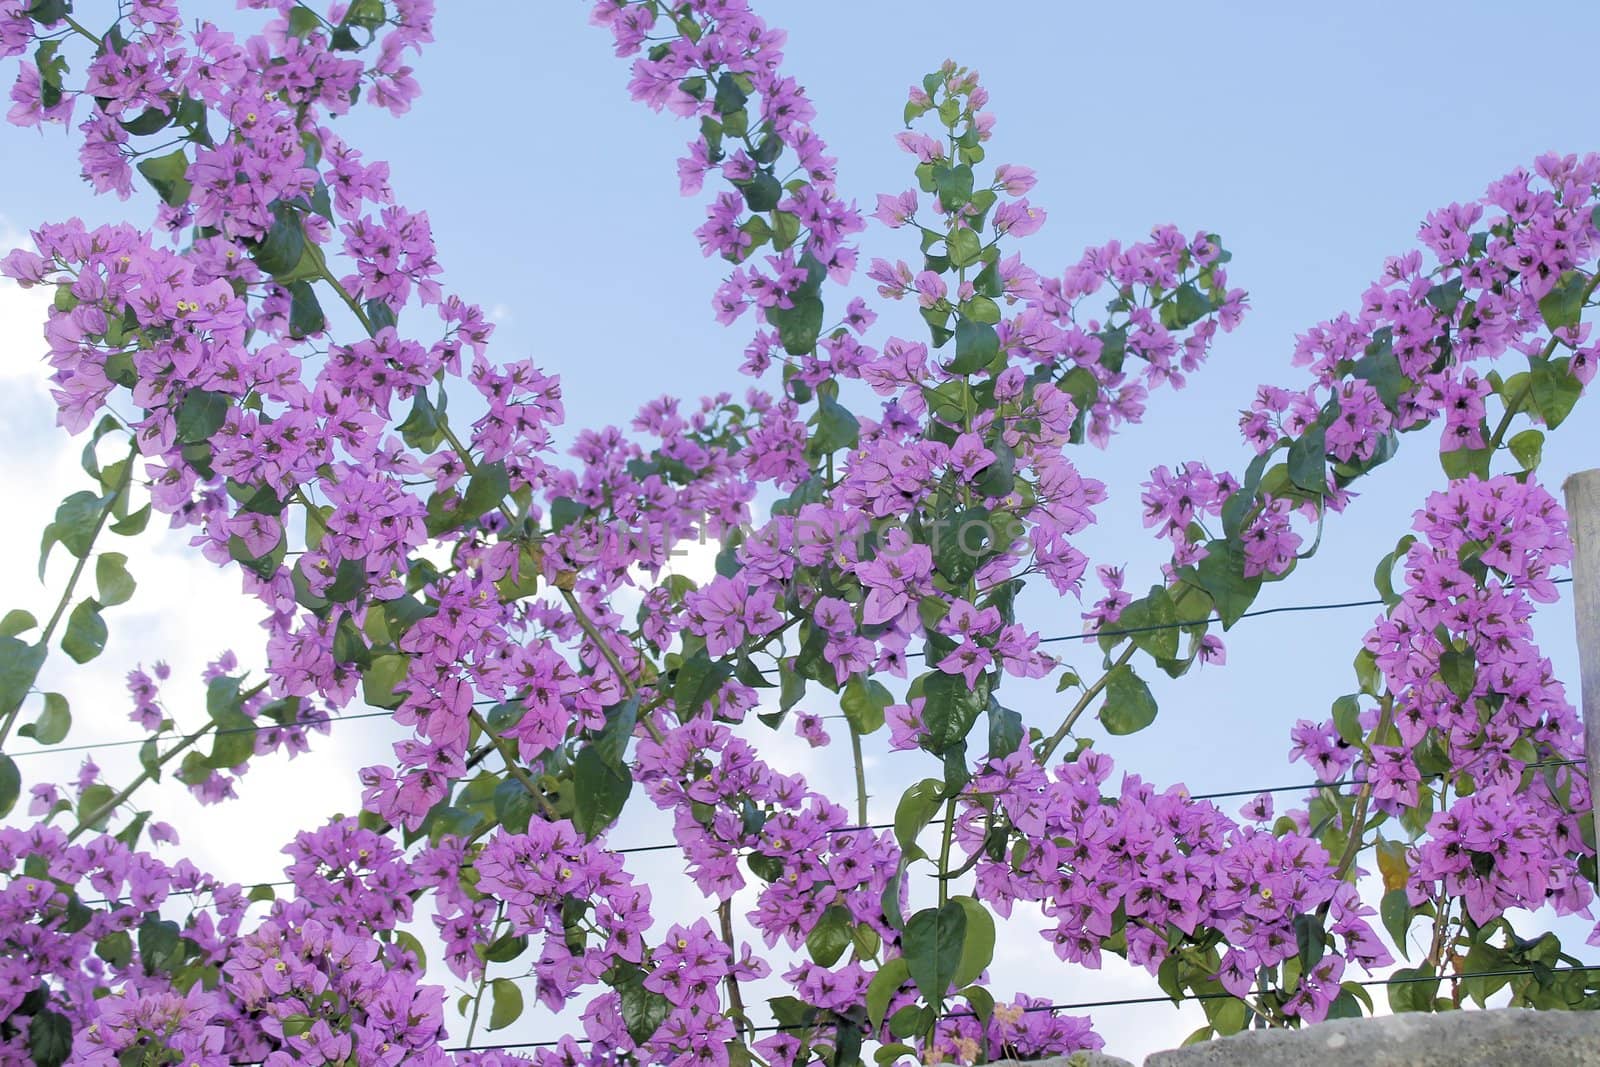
265,362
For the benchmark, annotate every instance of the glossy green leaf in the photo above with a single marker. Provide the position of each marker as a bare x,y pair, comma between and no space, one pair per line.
799,325
1129,707
54,722
934,942
378,681
1308,467
486,490
601,788
863,703
86,632
167,175
1562,306
1221,574
884,985
507,1004
10,784
49,1038
111,577
306,317
830,937
19,669
977,344
977,946
915,810
1528,448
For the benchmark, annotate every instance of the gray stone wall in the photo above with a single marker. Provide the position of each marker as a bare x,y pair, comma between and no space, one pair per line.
1506,1037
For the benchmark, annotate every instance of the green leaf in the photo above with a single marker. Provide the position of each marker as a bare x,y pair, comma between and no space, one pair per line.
950,709
202,414
1186,307
10,784
1005,730
977,947
1347,719
730,96
612,741
1129,707
285,242
830,938
420,430
1308,461
74,527
798,325
507,1004
601,788
884,985
302,20
643,1010
378,681
86,632
836,427
953,185
1221,574
19,669
17,621
1528,448
977,344
306,316
1562,306
54,721
111,577
915,810
1413,991
1395,910
863,703
49,1038
486,490
762,192
507,948
964,247
564,511
1459,670
1311,940
1555,390
166,175
1380,368
934,943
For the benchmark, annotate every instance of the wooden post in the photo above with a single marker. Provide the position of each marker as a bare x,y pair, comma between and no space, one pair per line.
1583,513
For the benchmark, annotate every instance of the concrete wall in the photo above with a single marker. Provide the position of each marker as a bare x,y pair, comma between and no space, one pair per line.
1506,1037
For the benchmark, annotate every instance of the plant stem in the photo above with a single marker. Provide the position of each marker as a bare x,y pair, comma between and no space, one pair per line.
483,979
735,998
593,633
514,768
944,849
1358,817
1516,402
1083,703
77,572
144,776
861,777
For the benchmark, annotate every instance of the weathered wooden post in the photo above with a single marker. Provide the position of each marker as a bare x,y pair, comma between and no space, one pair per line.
1583,511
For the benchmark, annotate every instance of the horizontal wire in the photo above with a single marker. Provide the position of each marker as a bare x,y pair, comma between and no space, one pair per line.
634,849
921,652
1125,1001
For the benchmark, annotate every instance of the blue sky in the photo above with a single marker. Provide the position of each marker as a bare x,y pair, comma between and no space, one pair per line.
1313,138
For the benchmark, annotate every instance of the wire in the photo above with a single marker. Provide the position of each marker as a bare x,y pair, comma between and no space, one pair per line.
1217,618
635,849
230,730
1081,1005
920,652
